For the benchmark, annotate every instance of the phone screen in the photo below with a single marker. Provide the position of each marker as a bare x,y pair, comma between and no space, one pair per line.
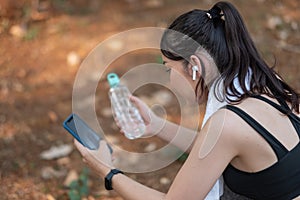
82,132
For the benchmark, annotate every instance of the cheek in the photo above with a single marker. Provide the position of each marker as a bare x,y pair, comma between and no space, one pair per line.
177,80
173,78
180,82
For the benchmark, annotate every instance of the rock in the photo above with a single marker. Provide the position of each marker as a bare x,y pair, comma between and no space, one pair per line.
283,35
274,22
164,181
294,25
18,31
18,87
52,116
49,173
150,147
56,152
72,176
65,161
50,197
73,59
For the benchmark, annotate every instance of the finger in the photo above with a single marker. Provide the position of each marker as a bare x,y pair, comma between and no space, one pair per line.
135,100
77,144
103,145
117,123
138,103
82,149
119,126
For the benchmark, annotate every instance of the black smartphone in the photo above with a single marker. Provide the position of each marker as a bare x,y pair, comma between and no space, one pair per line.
88,137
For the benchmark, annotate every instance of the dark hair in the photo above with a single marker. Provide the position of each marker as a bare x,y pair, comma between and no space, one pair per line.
222,33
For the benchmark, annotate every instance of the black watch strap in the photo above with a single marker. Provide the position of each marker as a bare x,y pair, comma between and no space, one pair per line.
107,180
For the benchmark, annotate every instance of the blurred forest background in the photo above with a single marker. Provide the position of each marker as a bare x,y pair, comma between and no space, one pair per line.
43,42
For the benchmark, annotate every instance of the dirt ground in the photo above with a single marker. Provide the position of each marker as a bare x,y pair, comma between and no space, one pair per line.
41,46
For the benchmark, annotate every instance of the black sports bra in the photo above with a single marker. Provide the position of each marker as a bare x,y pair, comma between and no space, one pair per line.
281,181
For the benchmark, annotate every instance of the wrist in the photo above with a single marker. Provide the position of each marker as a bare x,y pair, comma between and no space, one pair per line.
105,171
108,178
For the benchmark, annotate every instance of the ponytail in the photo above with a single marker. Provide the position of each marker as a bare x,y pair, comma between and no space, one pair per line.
242,55
222,33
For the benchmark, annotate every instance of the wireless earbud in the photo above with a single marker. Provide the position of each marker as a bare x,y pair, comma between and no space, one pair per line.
195,69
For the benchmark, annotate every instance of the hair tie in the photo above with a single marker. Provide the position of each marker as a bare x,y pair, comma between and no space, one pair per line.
209,15
214,13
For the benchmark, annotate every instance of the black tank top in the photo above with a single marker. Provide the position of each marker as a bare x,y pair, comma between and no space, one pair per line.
281,181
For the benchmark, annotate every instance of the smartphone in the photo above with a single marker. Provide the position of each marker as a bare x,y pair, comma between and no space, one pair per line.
88,137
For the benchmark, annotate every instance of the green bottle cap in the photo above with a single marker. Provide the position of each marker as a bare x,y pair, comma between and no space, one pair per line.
113,79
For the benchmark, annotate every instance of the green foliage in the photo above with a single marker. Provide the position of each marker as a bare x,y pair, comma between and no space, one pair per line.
4,24
70,7
183,157
79,187
31,33
26,11
61,5
159,60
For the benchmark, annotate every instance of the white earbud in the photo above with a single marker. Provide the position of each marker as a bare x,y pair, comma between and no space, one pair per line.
195,69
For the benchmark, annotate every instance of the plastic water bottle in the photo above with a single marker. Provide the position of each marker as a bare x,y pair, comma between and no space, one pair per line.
126,114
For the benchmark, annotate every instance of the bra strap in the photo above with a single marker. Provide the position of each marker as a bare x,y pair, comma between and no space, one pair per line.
283,108
277,147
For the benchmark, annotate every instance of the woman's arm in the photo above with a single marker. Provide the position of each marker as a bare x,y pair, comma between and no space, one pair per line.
132,190
100,161
196,177
177,135
213,150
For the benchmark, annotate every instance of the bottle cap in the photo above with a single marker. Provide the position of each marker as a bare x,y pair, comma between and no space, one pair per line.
113,79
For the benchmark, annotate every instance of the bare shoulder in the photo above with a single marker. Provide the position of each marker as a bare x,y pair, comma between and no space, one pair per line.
224,121
220,132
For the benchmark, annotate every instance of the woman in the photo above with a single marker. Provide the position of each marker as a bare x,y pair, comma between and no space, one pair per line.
256,148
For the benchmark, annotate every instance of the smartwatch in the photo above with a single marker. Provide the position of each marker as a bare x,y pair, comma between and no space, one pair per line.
108,177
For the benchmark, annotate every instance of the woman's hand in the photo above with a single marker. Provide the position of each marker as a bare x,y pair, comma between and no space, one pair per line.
99,160
153,123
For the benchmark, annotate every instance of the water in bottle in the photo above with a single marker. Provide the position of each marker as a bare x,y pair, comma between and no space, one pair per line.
125,113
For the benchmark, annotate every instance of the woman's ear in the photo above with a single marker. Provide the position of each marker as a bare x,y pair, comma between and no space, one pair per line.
194,67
